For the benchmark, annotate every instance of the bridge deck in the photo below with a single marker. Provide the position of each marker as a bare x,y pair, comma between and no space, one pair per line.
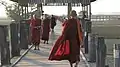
39,58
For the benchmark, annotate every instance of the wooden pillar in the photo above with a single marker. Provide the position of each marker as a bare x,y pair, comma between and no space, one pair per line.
41,7
19,9
39,10
89,17
87,13
14,28
27,12
69,9
22,10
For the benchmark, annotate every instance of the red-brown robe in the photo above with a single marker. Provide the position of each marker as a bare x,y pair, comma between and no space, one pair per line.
35,25
53,22
73,32
46,29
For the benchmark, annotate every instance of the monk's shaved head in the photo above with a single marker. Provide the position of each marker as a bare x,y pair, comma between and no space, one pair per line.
73,13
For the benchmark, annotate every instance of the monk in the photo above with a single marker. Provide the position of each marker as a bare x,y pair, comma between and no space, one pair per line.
53,22
73,33
46,29
35,31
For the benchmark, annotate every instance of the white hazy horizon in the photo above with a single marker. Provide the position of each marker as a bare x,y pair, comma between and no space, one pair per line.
97,7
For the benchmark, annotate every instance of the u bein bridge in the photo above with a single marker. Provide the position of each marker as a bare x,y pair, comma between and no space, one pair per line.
24,4
100,33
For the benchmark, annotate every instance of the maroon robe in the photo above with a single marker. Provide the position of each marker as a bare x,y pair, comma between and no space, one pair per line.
46,29
71,33
53,22
35,30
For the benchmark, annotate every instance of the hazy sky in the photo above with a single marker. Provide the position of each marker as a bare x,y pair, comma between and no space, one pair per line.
98,7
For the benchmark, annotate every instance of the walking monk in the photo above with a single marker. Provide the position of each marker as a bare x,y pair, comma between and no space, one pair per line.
67,46
46,29
35,24
53,22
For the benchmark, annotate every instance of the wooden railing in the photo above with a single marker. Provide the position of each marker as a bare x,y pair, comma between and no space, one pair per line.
103,18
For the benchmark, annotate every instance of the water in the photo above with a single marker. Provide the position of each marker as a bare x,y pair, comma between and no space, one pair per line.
109,44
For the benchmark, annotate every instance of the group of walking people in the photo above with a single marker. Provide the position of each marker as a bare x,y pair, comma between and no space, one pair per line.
68,44
40,29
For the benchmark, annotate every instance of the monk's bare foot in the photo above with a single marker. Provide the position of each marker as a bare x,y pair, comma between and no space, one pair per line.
44,42
38,49
76,65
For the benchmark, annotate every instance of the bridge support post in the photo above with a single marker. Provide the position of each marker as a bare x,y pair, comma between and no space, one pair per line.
87,31
116,50
15,46
86,42
69,9
100,52
39,10
23,35
4,44
92,42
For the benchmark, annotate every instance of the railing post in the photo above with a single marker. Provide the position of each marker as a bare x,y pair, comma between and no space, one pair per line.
100,52
86,42
87,31
92,42
23,35
5,51
15,47
116,50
